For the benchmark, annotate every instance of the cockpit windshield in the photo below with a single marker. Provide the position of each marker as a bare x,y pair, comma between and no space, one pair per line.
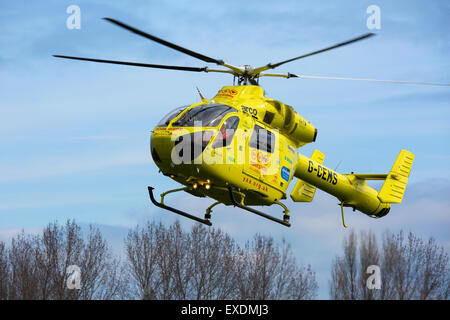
209,115
171,115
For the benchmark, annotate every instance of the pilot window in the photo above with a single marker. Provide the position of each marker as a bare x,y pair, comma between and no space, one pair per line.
209,115
262,139
226,133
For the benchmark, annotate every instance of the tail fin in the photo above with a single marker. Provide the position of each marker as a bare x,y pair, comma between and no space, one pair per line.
394,187
303,191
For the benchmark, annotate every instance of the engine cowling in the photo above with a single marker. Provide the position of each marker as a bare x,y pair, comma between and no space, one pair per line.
276,114
284,118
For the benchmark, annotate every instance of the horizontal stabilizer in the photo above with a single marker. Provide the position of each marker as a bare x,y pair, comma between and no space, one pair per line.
394,187
303,191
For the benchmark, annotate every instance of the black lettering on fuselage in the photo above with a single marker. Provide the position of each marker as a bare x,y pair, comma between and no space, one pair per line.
330,176
323,172
310,166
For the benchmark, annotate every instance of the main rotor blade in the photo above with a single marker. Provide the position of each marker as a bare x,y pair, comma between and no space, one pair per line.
165,43
290,75
274,65
137,64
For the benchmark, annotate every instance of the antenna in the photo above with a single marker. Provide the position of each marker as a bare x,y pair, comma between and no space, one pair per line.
338,165
200,94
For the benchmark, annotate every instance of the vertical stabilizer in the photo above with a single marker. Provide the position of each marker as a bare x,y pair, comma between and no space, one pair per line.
394,187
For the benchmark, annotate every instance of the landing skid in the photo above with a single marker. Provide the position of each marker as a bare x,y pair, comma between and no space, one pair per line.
207,221
182,213
284,222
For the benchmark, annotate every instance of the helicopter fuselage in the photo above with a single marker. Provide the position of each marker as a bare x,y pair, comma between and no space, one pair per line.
243,140
259,158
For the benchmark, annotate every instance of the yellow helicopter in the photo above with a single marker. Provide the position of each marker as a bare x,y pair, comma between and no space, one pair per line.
240,147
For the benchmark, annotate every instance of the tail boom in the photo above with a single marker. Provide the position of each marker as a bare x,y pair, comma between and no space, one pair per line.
352,189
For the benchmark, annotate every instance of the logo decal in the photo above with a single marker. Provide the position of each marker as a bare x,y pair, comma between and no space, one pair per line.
230,93
250,110
285,173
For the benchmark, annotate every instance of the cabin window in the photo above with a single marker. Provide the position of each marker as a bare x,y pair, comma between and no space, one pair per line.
262,139
209,115
226,133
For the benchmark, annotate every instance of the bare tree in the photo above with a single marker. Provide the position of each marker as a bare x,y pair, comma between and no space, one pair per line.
368,255
167,263
176,245
57,249
436,273
294,281
270,272
158,261
206,263
303,284
415,269
410,268
143,252
101,271
214,258
4,272
39,265
23,282
345,271
260,261
162,263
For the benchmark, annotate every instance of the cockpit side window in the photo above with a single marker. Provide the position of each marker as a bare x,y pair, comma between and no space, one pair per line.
226,132
209,115
262,139
170,116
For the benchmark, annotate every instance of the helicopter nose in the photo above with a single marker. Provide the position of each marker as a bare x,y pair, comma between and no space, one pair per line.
189,145
161,146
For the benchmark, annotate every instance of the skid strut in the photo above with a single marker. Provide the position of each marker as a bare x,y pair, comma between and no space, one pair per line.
284,222
342,214
182,213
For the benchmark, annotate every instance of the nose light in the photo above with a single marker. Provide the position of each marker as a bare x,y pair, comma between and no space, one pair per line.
206,184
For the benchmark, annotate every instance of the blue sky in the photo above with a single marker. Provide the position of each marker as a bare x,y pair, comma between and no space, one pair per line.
74,136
